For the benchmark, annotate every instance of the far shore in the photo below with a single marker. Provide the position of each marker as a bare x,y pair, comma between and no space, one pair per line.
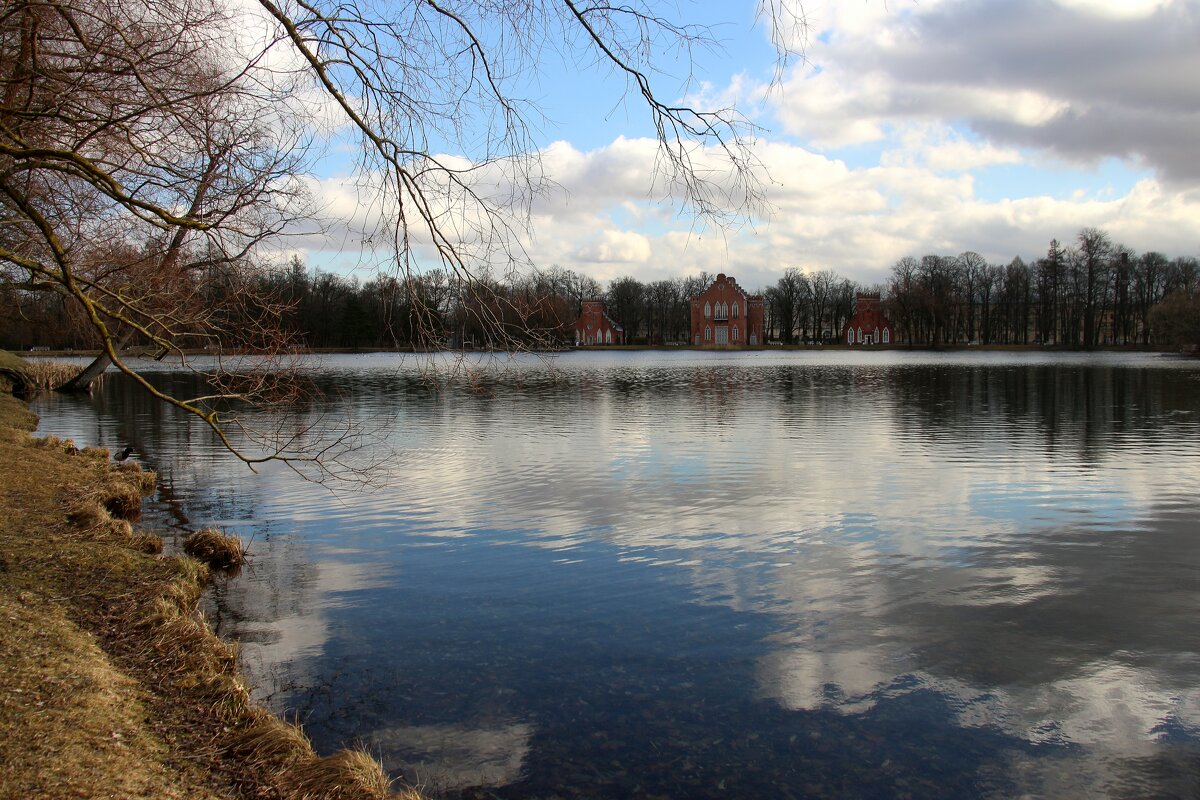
673,348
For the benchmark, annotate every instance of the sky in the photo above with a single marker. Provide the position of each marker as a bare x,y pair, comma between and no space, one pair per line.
905,128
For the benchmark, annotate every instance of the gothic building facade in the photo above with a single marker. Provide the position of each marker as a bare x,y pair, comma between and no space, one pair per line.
723,315
868,325
595,326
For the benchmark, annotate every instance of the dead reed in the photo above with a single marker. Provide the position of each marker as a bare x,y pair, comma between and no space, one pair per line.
47,375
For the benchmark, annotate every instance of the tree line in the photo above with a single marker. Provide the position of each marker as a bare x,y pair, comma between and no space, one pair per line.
1086,294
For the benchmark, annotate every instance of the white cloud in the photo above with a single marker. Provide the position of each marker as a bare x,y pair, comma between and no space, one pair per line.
614,246
1081,80
920,198
942,92
1119,9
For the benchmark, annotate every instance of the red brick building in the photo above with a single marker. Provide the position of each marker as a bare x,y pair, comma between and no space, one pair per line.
868,325
724,315
595,326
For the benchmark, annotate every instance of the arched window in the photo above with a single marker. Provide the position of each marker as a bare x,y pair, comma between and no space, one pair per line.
876,339
608,336
735,330
735,312
707,311
860,336
849,336
707,334
887,336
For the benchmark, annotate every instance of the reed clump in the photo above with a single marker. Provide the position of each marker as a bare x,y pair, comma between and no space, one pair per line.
148,543
282,749
345,775
144,479
46,375
268,740
218,550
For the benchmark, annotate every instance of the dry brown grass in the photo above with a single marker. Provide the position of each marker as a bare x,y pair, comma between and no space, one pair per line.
218,550
70,724
46,375
73,723
147,543
269,740
111,682
285,750
345,775
49,374
144,479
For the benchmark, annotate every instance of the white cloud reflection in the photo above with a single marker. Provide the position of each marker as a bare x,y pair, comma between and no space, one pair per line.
897,547
448,757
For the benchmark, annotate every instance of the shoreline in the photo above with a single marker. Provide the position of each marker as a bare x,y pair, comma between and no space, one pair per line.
674,348
111,682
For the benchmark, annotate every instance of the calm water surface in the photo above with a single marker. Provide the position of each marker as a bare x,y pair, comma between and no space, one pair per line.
756,575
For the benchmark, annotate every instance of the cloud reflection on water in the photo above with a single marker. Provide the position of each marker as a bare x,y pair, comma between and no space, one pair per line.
446,757
1017,542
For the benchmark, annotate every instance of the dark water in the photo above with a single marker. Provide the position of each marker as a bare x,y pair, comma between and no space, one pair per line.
685,575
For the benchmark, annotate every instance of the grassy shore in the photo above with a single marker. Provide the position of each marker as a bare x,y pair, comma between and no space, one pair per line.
111,683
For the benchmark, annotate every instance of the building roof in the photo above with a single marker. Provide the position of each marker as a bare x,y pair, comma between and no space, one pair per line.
604,313
733,283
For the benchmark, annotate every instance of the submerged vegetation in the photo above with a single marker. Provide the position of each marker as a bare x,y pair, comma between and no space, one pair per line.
111,683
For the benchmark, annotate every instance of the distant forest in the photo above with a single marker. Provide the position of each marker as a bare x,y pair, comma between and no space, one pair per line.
1088,292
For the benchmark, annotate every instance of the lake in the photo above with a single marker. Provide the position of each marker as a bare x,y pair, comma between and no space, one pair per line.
746,575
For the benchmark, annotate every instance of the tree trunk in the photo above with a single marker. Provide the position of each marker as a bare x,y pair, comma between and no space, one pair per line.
83,381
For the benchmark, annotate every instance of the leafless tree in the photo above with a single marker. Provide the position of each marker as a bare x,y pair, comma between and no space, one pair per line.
149,145
1094,250
141,167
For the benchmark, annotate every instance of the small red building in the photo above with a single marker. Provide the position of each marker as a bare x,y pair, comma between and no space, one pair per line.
868,325
724,315
595,326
